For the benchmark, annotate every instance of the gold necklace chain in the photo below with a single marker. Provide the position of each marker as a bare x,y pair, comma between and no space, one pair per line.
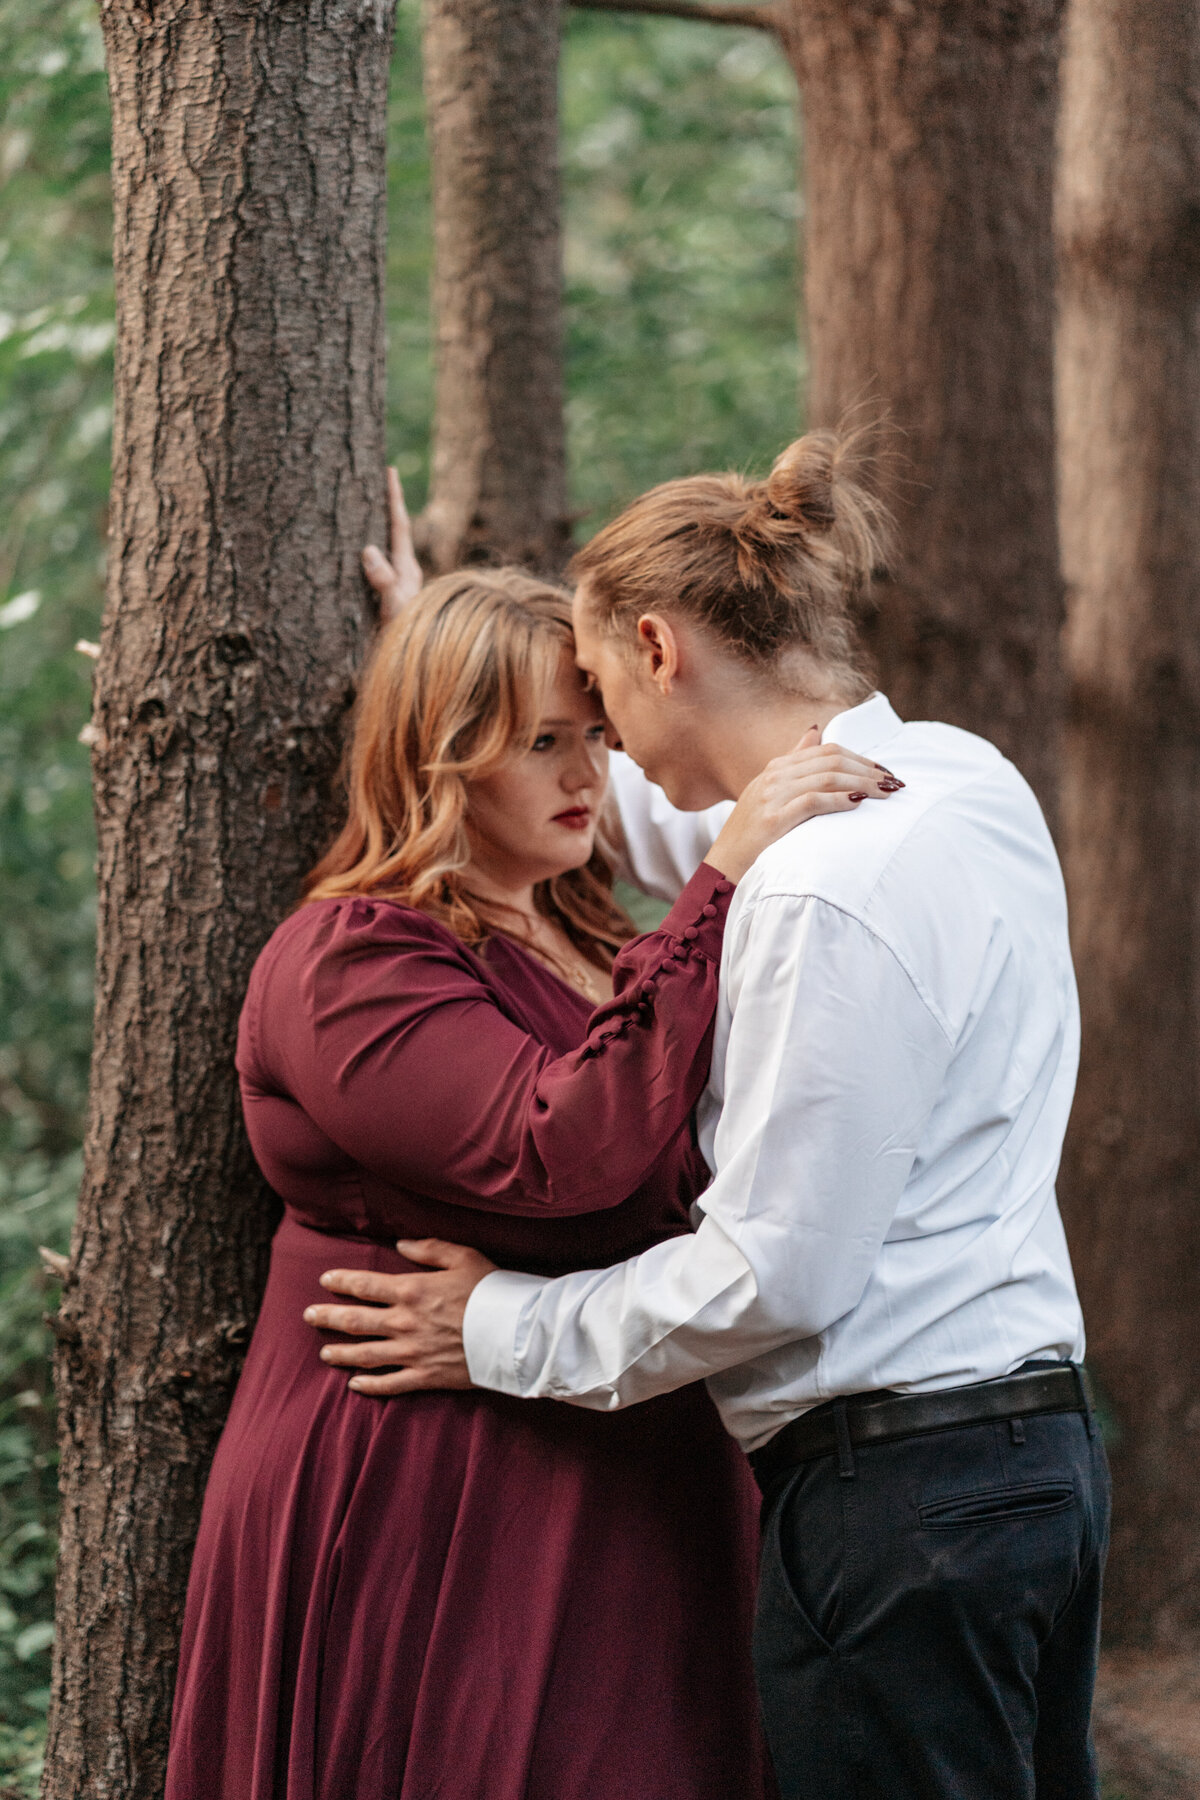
573,968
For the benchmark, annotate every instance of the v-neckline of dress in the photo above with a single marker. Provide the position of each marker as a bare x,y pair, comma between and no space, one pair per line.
527,957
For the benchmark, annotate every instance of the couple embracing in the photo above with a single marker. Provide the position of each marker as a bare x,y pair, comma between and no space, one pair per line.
731,1343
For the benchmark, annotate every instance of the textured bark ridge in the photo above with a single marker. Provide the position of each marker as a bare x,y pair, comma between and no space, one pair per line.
1129,404
929,275
249,189
499,461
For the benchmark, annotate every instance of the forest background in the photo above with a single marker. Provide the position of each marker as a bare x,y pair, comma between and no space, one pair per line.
679,162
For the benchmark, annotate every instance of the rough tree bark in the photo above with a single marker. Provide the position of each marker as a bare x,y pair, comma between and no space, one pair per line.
929,149
499,489
1129,400
249,172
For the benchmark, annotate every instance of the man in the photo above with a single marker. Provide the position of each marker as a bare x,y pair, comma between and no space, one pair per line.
878,1289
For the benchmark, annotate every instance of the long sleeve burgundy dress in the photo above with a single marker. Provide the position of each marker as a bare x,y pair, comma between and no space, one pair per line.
461,1596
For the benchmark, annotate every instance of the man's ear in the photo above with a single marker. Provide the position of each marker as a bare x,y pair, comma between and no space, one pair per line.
658,644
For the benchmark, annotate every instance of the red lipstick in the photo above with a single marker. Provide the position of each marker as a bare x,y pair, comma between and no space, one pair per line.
576,818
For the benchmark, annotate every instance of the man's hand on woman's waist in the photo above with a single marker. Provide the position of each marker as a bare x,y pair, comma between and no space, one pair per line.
411,1325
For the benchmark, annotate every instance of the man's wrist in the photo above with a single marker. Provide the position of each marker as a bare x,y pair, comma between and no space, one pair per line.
490,1326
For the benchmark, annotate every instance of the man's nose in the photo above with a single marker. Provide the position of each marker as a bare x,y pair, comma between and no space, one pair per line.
612,736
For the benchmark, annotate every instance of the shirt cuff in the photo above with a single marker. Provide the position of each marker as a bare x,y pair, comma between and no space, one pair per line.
490,1326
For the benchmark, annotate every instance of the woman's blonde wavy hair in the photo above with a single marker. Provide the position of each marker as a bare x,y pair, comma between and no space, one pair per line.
455,682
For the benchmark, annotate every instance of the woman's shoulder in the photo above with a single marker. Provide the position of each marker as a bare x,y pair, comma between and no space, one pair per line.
358,924
348,958
352,949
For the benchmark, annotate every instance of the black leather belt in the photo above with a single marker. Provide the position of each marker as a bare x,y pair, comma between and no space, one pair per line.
877,1418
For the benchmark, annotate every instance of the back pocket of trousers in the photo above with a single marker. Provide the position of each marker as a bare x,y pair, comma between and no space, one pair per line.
995,1506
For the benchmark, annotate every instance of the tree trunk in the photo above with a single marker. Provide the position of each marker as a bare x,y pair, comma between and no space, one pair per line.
1129,399
929,282
249,171
499,462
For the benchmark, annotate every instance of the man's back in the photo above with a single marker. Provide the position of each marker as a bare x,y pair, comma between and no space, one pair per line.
933,937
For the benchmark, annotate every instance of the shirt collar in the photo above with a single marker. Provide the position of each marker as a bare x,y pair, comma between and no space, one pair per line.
864,728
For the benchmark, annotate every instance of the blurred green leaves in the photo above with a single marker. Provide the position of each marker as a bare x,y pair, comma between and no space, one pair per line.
679,152
678,156
37,1197
55,413
679,159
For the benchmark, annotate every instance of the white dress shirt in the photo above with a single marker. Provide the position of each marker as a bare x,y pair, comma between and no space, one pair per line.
894,1061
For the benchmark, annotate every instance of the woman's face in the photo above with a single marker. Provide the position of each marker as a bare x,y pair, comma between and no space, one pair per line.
535,816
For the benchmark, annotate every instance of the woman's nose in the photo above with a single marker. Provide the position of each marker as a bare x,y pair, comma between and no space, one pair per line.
585,769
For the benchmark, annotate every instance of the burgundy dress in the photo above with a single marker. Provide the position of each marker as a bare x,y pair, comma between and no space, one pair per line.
462,1596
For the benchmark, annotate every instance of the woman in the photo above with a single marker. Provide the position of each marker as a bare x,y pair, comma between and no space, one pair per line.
462,1596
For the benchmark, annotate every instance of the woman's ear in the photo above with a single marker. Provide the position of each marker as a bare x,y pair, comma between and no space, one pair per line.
658,650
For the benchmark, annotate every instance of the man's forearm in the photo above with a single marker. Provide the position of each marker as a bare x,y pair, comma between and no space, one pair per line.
607,1338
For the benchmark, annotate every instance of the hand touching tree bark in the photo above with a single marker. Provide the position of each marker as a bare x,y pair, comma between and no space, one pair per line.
396,577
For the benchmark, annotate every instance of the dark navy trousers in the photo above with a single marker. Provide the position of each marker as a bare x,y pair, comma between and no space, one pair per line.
928,1620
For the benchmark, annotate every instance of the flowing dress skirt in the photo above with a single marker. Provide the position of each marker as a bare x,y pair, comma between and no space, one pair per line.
462,1596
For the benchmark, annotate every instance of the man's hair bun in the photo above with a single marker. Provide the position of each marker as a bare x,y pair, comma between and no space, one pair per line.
814,500
801,483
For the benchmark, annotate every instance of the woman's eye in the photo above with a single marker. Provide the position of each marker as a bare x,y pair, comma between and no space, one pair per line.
544,741
595,734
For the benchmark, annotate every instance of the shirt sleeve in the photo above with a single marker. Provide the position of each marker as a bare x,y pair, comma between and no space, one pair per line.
833,1064
662,846
384,1030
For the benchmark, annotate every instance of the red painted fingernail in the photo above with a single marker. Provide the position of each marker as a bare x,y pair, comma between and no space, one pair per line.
858,796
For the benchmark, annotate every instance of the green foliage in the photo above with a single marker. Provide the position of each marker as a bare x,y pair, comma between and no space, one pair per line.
678,159
36,1201
55,415
679,148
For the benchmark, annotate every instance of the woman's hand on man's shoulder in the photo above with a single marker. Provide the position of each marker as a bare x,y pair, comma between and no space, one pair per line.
812,779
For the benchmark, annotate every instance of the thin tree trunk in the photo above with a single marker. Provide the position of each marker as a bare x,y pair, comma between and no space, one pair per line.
1129,399
499,462
249,169
929,136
